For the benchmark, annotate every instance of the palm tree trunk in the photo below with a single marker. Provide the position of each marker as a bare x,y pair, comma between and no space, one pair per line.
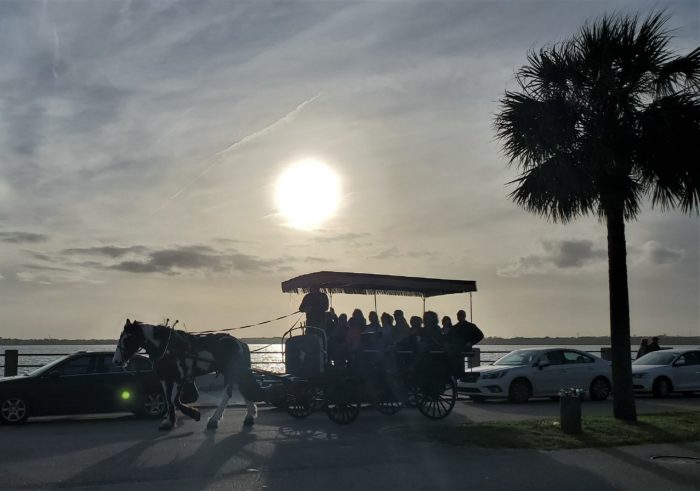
623,394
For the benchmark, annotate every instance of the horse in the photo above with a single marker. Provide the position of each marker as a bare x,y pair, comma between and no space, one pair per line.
179,356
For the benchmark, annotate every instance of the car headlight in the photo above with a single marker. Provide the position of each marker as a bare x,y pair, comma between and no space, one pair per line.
492,375
639,375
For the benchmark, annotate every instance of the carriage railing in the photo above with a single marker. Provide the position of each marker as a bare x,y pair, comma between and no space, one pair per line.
25,359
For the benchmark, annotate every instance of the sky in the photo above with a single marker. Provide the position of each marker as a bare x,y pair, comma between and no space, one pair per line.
141,142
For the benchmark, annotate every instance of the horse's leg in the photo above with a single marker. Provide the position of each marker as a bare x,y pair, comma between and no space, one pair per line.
249,389
168,422
216,417
186,410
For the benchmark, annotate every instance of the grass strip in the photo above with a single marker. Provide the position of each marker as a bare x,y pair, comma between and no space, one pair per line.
546,434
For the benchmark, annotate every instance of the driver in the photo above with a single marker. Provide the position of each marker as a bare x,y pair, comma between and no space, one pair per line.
314,305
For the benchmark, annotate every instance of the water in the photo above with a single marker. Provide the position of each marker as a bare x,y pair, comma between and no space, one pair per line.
263,356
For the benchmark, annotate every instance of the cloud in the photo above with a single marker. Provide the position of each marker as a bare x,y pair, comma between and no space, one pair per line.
353,238
23,237
573,253
655,253
557,254
313,259
389,253
106,251
192,258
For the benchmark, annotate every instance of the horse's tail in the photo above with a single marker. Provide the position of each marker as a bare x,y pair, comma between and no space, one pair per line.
247,383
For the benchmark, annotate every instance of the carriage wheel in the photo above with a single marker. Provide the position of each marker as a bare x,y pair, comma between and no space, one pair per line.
436,399
299,400
342,404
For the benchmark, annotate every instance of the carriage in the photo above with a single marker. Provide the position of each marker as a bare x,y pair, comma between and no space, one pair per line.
386,376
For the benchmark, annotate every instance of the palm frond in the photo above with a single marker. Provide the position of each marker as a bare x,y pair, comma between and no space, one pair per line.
559,189
532,129
668,154
681,73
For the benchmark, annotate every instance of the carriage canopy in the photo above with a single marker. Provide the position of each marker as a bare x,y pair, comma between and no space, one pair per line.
376,284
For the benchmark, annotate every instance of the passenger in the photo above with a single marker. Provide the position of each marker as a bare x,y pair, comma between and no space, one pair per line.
374,325
414,333
654,345
465,334
356,324
401,329
446,325
400,320
314,305
416,325
330,323
387,322
643,348
431,328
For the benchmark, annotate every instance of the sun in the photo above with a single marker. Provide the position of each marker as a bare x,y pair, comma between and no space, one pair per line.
307,194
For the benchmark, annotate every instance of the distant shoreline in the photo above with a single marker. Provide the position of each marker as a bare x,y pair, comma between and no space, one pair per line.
547,340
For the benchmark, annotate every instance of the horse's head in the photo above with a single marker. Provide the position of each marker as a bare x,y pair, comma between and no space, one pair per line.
131,340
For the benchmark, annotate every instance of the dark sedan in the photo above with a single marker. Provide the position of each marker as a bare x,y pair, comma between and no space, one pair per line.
82,383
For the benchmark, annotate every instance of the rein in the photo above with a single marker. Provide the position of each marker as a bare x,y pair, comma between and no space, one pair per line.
246,326
165,350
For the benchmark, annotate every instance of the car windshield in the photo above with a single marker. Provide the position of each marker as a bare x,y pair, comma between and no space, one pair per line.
655,358
518,358
48,366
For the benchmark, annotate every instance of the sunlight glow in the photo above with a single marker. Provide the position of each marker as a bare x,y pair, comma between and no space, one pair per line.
307,194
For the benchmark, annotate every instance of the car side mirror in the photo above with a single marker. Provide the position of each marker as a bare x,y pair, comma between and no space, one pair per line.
542,363
679,363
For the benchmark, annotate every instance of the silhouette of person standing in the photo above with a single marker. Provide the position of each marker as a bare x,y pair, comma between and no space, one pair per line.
314,305
643,348
465,333
654,345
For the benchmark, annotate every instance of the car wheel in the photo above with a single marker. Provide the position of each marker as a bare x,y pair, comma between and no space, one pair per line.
520,391
14,411
600,389
153,405
662,387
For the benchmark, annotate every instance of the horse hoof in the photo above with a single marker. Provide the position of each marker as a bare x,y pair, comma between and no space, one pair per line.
212,424
166,426
249,421
196,416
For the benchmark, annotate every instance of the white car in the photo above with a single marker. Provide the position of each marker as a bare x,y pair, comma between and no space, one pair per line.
538,372
666,371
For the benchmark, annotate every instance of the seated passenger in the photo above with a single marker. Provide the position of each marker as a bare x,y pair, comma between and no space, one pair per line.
374,325
401,329
387,326
356,324
431,329
446,325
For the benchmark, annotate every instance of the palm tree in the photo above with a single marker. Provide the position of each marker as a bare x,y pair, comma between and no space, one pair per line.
599,122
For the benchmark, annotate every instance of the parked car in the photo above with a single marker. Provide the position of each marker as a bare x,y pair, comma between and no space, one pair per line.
538,372
666,371
82,383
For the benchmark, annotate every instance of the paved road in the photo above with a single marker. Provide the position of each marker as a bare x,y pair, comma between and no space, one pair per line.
121,452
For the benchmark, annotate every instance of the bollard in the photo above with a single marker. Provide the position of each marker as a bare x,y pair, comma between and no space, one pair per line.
11,362
570,414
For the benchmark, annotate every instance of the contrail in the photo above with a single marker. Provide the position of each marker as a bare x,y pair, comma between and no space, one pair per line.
216,158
